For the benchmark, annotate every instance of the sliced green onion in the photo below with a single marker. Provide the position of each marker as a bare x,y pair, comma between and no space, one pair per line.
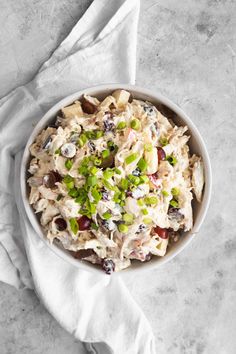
96,195
147,221
171,159
93,208
80,200
148,147
58,151
82,196
151,200
130,177
74,225
83,137
144,211
105,153
144,179
88,208
110,144
175,191
117,171
123,228
69,181
140,202
132,187
100,183
106,215
94,226
93,170
108,185
128,218
134,179
142,165
69,164
73,193
122,203
135,124
85,211
94,134
68,178
116,148
89,134
131,158
174,203
59,197
163,141
83,170
121,125
116,189
124,184
91,181
70,185
107,174
122,196
98,134
112,147
165,193
82,140
116,197
85,161
97,162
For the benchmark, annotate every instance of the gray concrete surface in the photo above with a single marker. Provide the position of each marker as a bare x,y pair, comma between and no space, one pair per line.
187,50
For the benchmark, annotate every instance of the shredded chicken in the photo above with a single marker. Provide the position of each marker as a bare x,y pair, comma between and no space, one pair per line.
114,177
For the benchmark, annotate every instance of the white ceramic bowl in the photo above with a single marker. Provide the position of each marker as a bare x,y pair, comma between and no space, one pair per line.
196,146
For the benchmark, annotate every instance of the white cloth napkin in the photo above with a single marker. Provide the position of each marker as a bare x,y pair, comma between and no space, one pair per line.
98,310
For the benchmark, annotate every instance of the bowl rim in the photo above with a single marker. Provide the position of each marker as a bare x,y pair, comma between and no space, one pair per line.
155,95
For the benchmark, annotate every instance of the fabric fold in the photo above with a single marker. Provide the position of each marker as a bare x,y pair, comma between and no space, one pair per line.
97,310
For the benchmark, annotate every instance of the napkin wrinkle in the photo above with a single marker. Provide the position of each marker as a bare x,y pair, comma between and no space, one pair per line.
123,12
94,307
18,273
87,53
10,242
10,274
99,348
89,27
11,143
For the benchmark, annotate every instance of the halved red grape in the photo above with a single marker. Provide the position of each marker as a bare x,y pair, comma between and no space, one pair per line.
87,106
162,233
166,111
161,154
83,253
131,97
60,224
84,223
51,178
57,176
108,161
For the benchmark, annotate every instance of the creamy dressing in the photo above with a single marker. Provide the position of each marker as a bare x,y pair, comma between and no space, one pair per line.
114,177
